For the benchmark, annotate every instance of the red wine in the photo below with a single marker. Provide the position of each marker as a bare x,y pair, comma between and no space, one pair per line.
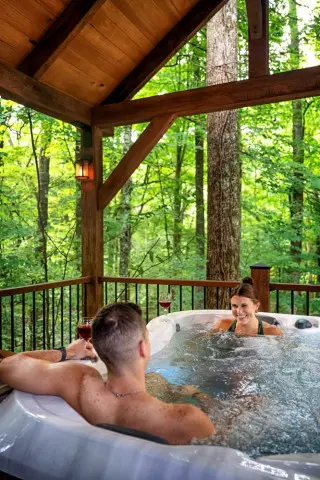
84,331
165,304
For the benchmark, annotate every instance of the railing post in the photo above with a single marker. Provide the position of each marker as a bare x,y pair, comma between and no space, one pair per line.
260,274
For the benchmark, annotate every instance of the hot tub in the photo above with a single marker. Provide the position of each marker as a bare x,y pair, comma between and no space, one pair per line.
41,437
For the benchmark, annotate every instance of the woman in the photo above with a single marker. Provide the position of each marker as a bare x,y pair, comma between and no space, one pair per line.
244,306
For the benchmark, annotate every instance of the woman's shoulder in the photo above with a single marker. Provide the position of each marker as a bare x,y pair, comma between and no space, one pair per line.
271,329
222,324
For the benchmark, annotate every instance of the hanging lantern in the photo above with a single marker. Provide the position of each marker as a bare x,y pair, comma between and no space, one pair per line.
83,169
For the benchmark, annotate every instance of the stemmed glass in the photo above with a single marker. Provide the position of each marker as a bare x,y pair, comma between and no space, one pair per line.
84,330
165,301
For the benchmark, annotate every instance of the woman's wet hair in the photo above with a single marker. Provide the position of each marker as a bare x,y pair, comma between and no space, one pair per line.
117,330
246,289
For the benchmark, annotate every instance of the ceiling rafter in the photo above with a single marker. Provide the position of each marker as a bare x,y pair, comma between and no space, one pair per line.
196,18
74,17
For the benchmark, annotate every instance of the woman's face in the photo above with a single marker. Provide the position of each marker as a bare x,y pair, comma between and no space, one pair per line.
243,309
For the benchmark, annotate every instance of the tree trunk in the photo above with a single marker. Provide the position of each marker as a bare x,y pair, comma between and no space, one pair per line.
177,203
78,205
223,243
125,235
199,154
297,187
42,164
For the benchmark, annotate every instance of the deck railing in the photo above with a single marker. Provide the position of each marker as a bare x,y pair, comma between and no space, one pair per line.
295,298
46,315
187,294
41,316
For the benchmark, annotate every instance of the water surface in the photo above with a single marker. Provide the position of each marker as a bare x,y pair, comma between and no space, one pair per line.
265,390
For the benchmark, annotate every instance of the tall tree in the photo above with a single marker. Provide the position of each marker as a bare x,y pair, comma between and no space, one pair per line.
297,183
125,235
223,238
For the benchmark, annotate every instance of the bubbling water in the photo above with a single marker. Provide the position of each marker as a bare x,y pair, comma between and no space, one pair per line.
265,390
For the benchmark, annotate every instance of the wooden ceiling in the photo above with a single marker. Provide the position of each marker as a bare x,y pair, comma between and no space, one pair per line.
87,49
71,59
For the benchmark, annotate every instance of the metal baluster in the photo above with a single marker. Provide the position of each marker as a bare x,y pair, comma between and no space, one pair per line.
277,300
147,302
52,310
126,292
180,295
12,321
44,319
205,297
308,303
70,314
137,293
61,316
192,297
106,293
158,291
85,300
115,291
217,297
292,301
78,304
0,322
34,338
23,322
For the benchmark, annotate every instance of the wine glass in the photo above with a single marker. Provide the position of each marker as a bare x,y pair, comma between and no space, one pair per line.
165,301
84,330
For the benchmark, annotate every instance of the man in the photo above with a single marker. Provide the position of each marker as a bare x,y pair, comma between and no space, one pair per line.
121,340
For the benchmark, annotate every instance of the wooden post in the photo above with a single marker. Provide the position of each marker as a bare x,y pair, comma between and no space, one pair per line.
92,221
260,274
258,23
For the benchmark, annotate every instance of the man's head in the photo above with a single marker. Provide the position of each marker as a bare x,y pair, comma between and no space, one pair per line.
120,336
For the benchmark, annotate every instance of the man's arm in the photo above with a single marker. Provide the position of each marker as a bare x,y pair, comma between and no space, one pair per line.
41,372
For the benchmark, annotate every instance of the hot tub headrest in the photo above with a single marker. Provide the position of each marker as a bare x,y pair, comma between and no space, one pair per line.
132,433
302,323
267,319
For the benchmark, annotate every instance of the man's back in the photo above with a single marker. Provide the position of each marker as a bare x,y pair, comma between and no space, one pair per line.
177,424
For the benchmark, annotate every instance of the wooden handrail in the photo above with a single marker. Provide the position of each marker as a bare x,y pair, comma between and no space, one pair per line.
295,287
6,292
163,281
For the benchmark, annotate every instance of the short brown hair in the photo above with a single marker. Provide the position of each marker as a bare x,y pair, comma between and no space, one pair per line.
116,332
246,289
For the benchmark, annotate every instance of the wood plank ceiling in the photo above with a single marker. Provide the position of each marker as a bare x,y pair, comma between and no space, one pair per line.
92,57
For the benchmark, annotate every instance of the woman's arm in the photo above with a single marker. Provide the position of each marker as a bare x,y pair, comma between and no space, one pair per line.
221,325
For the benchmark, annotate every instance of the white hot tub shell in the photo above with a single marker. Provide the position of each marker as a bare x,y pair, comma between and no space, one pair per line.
41,437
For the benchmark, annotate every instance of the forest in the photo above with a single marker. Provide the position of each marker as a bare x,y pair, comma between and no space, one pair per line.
207,202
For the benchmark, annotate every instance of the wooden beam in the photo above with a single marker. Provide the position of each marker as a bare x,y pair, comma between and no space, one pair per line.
20,88
258,23
92,223
58,36
228,96
196,18
132,159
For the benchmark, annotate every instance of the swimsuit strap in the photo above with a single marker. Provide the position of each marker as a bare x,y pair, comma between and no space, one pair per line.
260,328
232,326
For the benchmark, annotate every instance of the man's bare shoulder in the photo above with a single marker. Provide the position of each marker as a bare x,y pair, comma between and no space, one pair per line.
223,324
